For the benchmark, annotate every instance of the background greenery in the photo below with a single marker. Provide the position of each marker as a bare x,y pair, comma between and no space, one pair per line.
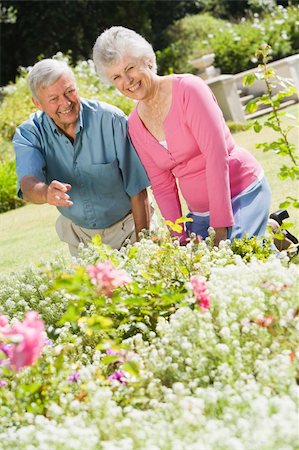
30,29
233,42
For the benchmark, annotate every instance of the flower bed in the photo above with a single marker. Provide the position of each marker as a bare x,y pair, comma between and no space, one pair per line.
152,347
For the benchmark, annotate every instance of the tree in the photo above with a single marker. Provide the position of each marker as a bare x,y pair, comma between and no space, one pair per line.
30,29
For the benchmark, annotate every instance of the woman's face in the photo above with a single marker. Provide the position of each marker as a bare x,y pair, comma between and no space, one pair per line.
132,77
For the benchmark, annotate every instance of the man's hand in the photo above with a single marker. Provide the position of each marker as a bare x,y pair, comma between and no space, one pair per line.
57,194
36,191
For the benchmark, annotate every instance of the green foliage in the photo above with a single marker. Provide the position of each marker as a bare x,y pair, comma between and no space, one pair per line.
176,360
158,288
252,247
6,148
188,39
27,20
15,106
233,43
8,180
281,146
236,127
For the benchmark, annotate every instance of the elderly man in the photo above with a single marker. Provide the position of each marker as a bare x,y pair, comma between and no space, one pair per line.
75,154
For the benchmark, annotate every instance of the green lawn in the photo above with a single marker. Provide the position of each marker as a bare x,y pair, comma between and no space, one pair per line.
27,234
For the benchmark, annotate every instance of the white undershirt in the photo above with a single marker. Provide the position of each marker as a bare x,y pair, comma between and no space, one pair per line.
164,143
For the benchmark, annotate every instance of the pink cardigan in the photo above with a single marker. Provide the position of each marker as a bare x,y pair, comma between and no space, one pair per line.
202,156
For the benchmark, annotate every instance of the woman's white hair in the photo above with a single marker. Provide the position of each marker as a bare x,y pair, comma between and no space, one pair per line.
46,72
115,43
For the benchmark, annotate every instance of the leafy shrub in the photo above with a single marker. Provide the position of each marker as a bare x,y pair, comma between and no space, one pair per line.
188,39
186,380
15,106
282,32
6,148
233,43
8,181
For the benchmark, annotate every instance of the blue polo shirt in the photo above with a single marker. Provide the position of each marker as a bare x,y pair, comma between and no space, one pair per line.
101,165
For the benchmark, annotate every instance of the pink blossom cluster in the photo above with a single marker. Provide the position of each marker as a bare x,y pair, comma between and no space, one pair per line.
119,376
24,341
107,278
200,290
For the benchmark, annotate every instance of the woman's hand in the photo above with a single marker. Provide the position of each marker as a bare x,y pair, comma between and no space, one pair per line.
220,235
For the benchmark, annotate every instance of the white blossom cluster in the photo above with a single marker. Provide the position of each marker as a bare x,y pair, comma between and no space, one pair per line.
219,379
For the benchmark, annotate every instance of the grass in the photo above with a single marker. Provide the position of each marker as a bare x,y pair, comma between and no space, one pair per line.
27,234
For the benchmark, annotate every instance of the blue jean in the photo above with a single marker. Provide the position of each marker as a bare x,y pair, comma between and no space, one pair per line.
251,212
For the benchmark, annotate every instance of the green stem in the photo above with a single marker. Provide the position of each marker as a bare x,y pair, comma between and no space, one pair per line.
275,111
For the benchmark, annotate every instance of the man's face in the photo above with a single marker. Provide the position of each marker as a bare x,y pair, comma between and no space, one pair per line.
60,101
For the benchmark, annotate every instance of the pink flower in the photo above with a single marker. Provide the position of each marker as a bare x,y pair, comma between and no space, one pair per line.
107,278
4,325
74,378
118,375
200,290
27,339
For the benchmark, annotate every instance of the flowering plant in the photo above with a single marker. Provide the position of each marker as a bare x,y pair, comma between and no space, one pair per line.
24,341
156,346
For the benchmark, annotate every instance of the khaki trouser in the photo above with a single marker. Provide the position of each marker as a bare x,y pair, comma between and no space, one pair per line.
115,236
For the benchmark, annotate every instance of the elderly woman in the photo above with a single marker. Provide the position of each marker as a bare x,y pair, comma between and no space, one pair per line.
180,135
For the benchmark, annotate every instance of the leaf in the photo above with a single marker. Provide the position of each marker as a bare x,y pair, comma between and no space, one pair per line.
286,225
257,126
249,79
174,226
279,236
251,106
131,367
109,359
97,322
58,362
71,315
284,204
97,240
30,388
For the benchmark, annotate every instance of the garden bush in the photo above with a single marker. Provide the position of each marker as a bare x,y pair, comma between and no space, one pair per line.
8,182
234,44
155,346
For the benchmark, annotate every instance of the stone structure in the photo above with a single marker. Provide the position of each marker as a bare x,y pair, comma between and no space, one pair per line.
230,92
